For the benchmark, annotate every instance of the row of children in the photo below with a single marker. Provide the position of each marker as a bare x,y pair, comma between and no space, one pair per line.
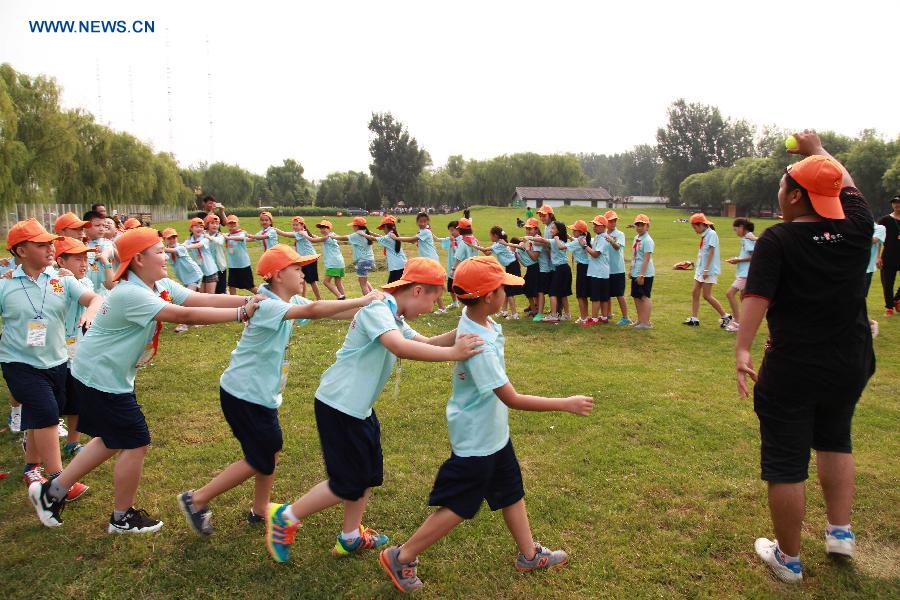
122,335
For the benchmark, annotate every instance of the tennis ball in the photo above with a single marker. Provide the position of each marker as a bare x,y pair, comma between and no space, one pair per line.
791,143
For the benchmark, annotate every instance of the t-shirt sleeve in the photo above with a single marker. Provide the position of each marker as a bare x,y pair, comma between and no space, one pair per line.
487,370
648,245
713,240
269,313
446,243
765,267
386,241
141,305
407,331
880,233
855,207
375,320
178,292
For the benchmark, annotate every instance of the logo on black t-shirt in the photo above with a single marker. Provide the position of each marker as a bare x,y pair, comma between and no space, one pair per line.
828,238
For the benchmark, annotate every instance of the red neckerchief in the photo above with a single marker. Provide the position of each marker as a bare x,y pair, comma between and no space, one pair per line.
635,246
263,232
232,233
199,250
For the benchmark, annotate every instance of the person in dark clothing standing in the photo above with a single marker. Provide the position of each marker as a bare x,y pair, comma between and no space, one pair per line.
889,261
806,279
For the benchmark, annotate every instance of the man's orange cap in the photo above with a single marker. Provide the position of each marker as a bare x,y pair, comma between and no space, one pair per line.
168,232
698,218
28,231
280,256
426,271
481,275
131,223
133,242
579,225
532,223
600,220
67,245
325,223
464,223
545,209
387,220
232,219
642,218
210,218
69,221
822,178
358,221
610,215
298,220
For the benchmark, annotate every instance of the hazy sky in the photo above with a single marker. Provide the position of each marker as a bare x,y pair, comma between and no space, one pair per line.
300,80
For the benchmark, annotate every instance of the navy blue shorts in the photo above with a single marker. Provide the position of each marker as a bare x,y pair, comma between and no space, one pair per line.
257,429
241,278
117,419
352,451
311,272
616,285
532,280
462,483
42,392
598,288
71,407
394,275
582,290
545,281
641,291
561,282
450,284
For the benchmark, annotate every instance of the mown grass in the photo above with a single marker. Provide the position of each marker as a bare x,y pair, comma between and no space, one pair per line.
656,494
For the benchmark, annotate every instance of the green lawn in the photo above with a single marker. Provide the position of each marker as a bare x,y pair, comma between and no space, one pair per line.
656,494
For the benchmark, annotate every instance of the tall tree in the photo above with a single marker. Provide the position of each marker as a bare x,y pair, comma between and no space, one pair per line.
397,160
230,184
287,184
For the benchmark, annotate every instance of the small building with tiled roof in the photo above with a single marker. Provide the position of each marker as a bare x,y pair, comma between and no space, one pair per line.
562,196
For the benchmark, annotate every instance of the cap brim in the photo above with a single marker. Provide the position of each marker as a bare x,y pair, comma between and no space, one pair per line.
42,238
396,284
307,260
513,280
827,206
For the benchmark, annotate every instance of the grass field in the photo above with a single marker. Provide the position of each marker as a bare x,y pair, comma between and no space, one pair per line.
656,494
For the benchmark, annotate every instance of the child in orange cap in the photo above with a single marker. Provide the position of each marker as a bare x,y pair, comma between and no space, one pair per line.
69,225
198,248
100,261
212,226
482,465
123,338
500,248
642,271
615,237
34,304
303,245
333,259
240,274
707,271
599,250
361,246
250,389
424,241
268,235
349,431
806,279
528,257
393,248
578,245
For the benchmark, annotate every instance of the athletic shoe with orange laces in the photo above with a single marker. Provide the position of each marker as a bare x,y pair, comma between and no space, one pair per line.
543,559
402,574
32,475
368,539
279,533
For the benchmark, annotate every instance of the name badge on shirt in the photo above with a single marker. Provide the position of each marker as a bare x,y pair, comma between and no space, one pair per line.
37,333
71,347
284,374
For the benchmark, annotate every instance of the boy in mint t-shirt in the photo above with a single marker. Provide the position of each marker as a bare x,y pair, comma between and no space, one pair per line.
483,465
250,389
349,430
642,271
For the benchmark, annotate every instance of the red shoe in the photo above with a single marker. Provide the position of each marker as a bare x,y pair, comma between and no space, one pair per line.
34,475
889,312
76,491
604,320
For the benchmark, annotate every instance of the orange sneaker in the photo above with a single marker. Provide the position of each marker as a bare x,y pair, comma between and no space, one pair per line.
76,491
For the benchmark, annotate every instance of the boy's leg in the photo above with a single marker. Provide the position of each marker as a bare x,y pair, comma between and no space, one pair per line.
315,289
74,436
46,444
707,295
317,499
353,512
516,518
595,308
234,474
94,454
623,305
695,298
262,492
32,456
888,276
127,477
436,526
232,290
787,505
837,476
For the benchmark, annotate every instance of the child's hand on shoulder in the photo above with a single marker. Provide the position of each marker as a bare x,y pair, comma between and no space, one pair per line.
579,405
466,346
372,297
63,272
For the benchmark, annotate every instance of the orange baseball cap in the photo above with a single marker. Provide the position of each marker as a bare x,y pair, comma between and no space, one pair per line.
298,220
610,215
169,232
642,218
387,220
600,220
28,231
210,218
67,245
195,221
579,225
358,221
698,218
232,219
822,177
464,223
325,223
280,256
133,242
545,209
131,223
69,221
267,213
532,223
426,271
480,275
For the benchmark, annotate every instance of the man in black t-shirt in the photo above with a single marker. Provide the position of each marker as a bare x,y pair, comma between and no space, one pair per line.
889,261
806,278
211,207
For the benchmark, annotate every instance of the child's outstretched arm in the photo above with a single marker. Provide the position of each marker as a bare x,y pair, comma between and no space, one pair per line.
204,315
577,405
218,300
333,309
91,301
445,339
407,238
466,345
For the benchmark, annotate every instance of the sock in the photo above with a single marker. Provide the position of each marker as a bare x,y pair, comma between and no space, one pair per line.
289,515
349,537
785,558
57,491
831,528
118,515
30,466
15,410
54,475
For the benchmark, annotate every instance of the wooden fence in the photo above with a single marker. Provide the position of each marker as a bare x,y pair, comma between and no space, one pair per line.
47,213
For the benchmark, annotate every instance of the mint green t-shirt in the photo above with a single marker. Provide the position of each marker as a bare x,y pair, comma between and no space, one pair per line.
709,239
333,258
186,270
395,260
361,247
478,421
123,334
257,371
617,257
362,365
426,244
203,256
271,238
46,300
599,266
640,248
95,271
238,257
73,314
217,245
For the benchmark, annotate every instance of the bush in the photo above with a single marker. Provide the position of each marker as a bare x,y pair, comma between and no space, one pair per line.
286,211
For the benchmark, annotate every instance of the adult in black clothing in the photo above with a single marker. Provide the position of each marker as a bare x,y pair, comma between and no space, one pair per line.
806,278
889,261
211,207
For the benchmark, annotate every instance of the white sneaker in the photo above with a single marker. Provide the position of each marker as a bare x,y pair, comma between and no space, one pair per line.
840,542
63,432
15,419
564,317
181,328
643,326
452,305
787,572
514,316
503,314
579,321
733,327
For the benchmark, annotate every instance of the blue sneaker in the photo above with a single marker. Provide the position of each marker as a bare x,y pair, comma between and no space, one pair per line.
624,321
840,542
279,533
368,539
788,572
